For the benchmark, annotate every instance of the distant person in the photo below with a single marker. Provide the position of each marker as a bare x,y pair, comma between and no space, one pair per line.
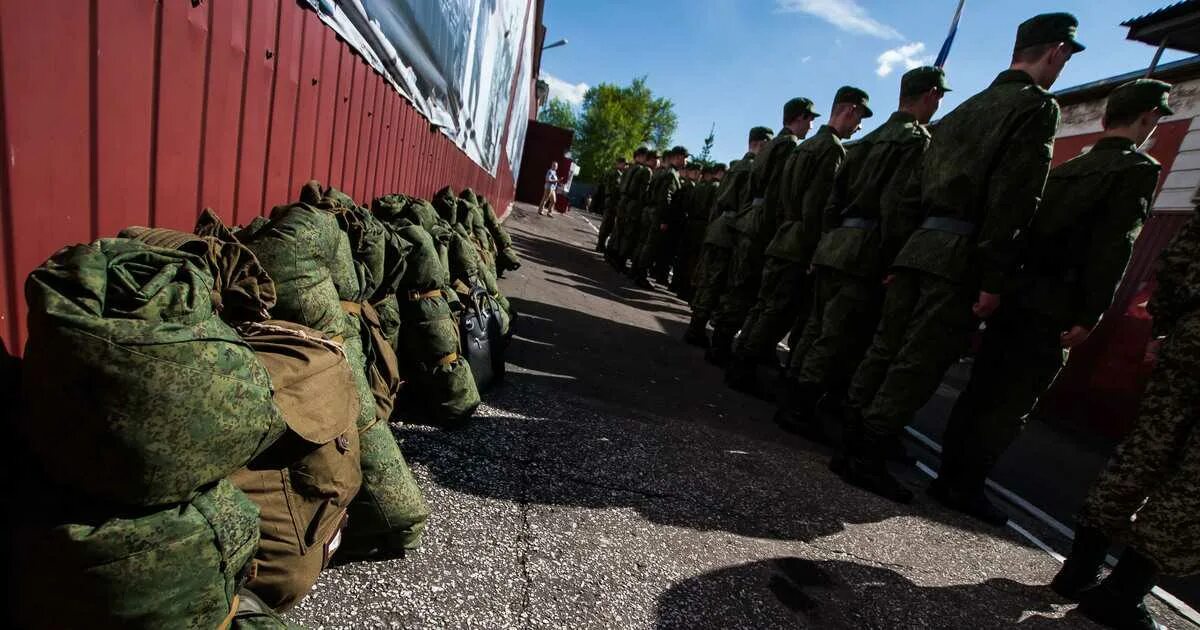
1148,496
550,196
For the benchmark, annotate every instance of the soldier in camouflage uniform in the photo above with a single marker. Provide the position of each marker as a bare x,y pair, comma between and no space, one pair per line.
633,198
754,225
611,198
851,259
687,259
612,247
1078,245
719,239
1148,497
785,290
675,218
979,185
663,188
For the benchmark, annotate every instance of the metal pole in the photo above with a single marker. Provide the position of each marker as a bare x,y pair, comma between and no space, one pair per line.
1157,55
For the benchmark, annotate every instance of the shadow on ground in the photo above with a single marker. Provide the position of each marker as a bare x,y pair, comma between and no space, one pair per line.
796,592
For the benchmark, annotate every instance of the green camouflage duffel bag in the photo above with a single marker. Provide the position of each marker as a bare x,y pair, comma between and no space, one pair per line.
178,566
304,483
506,256
163,397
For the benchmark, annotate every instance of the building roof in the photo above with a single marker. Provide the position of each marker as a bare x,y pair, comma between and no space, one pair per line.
1177,24
1173,72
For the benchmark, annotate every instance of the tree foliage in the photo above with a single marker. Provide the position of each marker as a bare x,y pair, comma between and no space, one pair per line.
614,120
559,113
705,155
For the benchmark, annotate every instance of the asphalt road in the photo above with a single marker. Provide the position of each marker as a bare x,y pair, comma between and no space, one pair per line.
614,482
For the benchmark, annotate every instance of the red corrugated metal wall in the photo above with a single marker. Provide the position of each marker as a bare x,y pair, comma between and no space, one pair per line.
136,112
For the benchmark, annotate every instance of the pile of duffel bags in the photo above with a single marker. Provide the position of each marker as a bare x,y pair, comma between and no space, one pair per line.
204,417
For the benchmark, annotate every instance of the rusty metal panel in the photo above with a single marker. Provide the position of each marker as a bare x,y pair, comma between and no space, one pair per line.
306,103
331,59
256,109
223,106
286,90
179,113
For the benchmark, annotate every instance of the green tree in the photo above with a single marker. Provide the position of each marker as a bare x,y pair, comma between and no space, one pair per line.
705,156
559,113
614,120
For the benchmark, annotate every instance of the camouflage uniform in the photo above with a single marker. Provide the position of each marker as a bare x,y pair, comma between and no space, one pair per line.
850,259
807,178
612,246
659,197
712,276
1158,463
1079,243
631,225
753,225
687,258
675,218
611,198
979,184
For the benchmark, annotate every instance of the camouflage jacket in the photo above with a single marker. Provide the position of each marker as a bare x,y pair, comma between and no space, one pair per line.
1178,291
663,189
868,188
703,198
758,218
610,187
807,180
637,183
735,194
980,183
1083,233
681,203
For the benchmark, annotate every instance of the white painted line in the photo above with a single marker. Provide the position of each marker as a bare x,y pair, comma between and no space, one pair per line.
590,224
1172,602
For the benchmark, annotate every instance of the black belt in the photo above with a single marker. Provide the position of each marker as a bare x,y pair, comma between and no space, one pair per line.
946,224
856,222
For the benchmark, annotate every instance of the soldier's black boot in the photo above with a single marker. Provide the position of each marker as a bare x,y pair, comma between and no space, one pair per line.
865,466
1118,602
797,411
720,350
1081,570
697,333
742,374
963,492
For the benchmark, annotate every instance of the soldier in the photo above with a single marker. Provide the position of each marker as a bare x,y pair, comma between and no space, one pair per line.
687,260
850,260
785,290
675,219
662,191
978,187
634,197
719,239
610,199
1079,243
1148,496
612,247
754,226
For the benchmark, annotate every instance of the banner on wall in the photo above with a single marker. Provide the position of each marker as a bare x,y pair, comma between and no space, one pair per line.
455,60
518,122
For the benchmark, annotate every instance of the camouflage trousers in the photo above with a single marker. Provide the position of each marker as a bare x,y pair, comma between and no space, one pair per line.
741,287
606,226
689,254
783,299
711,278
653,239
1017,361
924,327
1148,496
632,231
844,313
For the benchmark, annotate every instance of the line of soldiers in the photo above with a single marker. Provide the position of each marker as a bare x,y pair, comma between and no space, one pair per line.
881,259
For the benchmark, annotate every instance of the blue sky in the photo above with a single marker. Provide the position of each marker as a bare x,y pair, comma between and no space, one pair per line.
735,62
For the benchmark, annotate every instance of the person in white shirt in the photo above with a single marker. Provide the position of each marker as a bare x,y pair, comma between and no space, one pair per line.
549,197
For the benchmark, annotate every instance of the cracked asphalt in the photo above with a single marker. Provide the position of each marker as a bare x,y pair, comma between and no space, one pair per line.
614,482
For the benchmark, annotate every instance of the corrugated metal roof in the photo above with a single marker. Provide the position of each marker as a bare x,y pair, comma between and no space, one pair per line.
1182,69
1165,13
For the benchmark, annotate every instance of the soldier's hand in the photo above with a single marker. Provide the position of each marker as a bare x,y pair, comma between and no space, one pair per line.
986,305
888,279
1074,337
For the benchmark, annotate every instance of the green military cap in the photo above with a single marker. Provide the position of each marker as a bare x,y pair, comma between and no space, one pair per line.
692,166
761,134
921,80
1048,28
677,150
651,153
796,107
640,151
718,167
854,96
1138,96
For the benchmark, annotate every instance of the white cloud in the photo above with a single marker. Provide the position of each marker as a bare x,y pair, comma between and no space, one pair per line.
806,59
908,55
844,14
569,92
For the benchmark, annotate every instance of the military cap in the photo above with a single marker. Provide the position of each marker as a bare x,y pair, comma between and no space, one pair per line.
761,134
854,96
651,153
1048,28
640,151
1138,96
796,107
921,80
677,150
621,159
718,167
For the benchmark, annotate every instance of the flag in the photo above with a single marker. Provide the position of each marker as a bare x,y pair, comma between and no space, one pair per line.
945,51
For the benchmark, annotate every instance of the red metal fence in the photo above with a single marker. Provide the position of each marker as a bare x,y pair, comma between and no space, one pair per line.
136,112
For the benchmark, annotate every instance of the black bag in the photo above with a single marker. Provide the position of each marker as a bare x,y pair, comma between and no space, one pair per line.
482,341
